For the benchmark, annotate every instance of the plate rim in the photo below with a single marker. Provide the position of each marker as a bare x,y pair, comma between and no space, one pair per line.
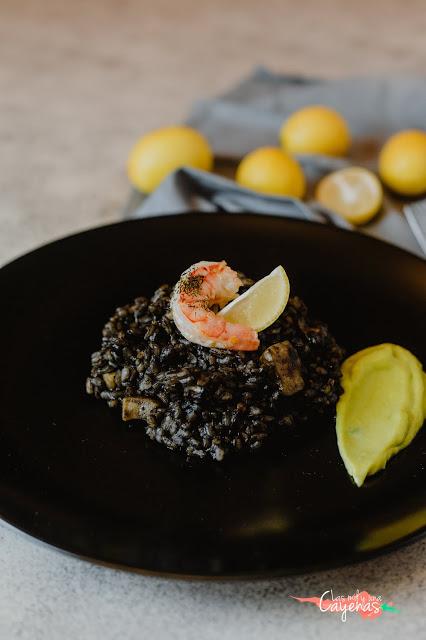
401,543
186,214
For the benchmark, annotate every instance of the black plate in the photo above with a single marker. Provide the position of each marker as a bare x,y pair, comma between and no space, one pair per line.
73,475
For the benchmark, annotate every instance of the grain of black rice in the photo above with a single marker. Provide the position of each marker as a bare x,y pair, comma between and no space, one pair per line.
212,401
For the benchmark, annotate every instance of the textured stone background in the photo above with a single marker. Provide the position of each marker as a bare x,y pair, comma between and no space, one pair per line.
79,82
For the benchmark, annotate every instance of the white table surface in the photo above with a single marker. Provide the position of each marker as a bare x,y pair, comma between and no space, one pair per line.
79,82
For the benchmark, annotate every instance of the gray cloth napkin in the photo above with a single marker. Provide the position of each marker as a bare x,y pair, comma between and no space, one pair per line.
250,116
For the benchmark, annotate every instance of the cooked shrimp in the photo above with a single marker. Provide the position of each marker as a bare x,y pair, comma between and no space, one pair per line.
200,287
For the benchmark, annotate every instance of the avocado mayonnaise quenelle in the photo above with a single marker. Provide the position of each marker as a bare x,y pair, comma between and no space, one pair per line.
382,407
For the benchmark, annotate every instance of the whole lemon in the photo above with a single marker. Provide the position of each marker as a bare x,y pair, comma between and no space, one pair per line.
402,162
160,152
272,171
316,129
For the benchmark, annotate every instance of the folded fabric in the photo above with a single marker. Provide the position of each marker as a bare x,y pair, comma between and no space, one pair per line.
250,116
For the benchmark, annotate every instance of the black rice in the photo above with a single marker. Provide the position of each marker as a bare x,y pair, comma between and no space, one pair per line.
208,402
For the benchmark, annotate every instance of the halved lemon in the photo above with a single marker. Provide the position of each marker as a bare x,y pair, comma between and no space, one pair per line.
262,304
355,193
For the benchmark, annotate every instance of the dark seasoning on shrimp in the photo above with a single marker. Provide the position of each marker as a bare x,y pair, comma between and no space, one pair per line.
190,284
207,401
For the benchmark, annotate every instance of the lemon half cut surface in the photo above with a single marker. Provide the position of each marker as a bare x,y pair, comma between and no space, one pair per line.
262,304
354,193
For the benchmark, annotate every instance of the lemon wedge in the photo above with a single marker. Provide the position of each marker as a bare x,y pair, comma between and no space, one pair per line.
354,193
262,304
